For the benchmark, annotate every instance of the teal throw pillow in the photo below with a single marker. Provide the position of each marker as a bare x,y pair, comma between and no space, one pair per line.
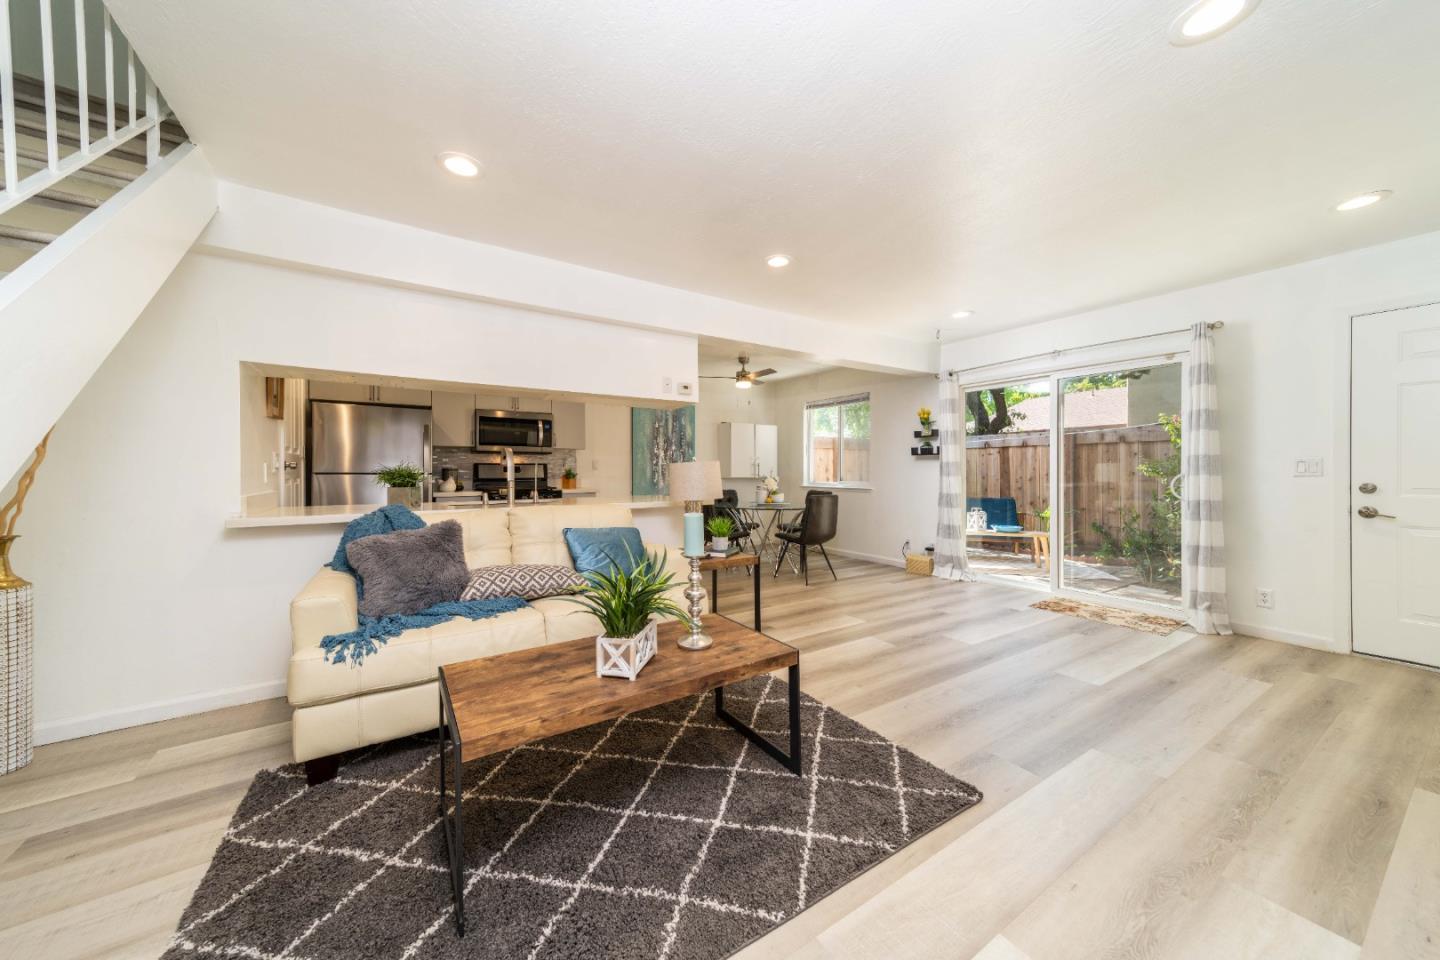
601,548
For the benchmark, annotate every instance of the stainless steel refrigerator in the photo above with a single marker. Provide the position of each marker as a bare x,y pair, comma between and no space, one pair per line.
350,442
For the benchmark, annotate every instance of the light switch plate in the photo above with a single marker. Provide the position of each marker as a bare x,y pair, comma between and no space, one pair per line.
1310,467
667,385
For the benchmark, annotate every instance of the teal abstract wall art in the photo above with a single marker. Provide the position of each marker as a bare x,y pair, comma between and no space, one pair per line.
658,438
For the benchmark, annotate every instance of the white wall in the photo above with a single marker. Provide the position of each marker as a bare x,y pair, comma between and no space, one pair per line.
264,225
146,606
901,503
719,402
604,464
64,309
1283,362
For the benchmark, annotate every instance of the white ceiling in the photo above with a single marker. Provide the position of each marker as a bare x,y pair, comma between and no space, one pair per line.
1024,158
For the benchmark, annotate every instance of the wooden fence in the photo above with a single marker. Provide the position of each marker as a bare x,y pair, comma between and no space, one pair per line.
1103,482
823,464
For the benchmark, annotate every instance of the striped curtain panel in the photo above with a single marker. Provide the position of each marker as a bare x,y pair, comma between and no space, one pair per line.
950,560
1202,527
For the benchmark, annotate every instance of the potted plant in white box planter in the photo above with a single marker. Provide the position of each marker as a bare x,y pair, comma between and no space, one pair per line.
626,605
403,481
720,529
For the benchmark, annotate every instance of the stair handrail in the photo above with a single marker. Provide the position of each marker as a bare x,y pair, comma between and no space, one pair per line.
56,168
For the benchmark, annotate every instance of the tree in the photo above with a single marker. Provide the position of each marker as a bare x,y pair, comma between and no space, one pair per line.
989,411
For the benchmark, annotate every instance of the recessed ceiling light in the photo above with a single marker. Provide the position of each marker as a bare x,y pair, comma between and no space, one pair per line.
777,260
460,164
1364,200
961,314
1207,19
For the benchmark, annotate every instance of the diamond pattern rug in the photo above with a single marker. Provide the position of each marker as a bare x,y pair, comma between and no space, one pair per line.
664,835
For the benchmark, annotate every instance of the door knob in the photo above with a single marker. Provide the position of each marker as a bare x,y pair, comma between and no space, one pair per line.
1370,513
1368,488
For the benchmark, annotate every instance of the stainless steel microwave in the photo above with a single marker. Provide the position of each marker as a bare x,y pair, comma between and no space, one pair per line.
522,432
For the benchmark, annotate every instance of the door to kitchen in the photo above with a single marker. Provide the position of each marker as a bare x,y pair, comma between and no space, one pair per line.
1395,484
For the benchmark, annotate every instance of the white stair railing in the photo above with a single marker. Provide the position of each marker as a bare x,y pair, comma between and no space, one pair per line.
55,167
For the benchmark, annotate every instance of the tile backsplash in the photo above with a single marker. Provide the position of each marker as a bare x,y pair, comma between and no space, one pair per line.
463,460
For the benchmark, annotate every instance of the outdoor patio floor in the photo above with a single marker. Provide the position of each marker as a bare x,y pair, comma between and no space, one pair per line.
1117,580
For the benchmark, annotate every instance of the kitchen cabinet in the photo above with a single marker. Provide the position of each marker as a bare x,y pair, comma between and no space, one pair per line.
365,393
749,449
494,401
569,424
343,392
406,395
454,417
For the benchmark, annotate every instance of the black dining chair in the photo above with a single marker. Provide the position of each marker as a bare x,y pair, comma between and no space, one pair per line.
729,505
794,525
816,528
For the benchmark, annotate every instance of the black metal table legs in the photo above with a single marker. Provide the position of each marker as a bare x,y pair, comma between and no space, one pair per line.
791,762
454,822
715,593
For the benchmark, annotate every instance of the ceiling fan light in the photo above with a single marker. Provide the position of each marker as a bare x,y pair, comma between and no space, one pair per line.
743,384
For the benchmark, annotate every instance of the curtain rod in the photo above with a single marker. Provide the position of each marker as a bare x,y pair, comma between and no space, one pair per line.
1216,325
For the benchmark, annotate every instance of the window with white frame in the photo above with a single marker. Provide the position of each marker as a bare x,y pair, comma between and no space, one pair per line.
837,442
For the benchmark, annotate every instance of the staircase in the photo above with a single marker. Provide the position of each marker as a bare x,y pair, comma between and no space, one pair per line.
38,220
100,198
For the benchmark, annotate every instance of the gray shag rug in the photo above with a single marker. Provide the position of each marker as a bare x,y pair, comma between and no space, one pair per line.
664,834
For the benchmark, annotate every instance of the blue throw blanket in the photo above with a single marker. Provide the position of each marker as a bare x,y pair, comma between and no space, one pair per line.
396,516
374,631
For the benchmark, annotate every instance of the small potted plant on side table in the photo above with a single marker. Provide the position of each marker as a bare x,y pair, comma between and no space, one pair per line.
403,481
626,605
720,529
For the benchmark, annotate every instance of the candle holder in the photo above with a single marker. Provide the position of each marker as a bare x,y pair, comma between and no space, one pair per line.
697,638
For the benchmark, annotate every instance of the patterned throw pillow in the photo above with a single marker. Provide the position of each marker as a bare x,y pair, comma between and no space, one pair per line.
528,581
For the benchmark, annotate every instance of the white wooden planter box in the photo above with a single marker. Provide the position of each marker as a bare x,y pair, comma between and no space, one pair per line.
624,656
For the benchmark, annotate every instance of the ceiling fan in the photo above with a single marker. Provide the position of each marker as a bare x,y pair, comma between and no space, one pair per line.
744,379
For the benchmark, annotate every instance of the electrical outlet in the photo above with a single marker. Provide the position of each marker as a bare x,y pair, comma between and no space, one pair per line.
686,388
1265,598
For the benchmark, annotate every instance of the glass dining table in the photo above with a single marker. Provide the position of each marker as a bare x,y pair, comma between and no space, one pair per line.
768,517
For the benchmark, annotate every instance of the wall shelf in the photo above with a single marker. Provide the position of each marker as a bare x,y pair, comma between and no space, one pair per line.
932,453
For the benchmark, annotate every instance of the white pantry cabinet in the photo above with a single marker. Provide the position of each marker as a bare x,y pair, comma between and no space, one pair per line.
749,449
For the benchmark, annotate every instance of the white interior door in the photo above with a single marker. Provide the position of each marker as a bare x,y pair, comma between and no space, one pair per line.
1395,484
767,449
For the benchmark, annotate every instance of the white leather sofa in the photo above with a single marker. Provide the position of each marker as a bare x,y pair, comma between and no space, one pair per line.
393,693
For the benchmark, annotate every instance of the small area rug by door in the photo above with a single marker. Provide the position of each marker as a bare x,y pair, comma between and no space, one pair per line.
1148,622
664,834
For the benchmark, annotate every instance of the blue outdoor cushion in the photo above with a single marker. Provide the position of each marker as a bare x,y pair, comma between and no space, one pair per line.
999,511
601,548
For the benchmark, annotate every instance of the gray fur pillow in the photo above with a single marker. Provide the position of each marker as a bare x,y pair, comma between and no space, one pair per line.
528,581
406,571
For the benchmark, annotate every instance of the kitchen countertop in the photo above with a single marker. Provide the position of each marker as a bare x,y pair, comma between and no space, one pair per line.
316,516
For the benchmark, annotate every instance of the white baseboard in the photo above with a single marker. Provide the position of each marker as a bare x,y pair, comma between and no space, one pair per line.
871,557
53,731
1314,641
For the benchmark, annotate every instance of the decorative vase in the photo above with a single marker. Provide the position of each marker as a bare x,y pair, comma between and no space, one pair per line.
567,483
927,426
405,496
625,656
719,544
17,643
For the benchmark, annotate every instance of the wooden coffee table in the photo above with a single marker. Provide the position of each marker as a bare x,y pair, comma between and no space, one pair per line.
496,703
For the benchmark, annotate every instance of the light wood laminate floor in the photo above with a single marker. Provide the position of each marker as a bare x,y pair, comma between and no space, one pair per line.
1186,797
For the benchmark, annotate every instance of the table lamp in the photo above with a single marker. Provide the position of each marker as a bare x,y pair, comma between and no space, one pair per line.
695,483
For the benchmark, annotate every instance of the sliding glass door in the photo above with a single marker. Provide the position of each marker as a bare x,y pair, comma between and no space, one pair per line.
1007,480
1084,465
1120,469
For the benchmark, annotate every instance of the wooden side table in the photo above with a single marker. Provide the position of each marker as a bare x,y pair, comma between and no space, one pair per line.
734,561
